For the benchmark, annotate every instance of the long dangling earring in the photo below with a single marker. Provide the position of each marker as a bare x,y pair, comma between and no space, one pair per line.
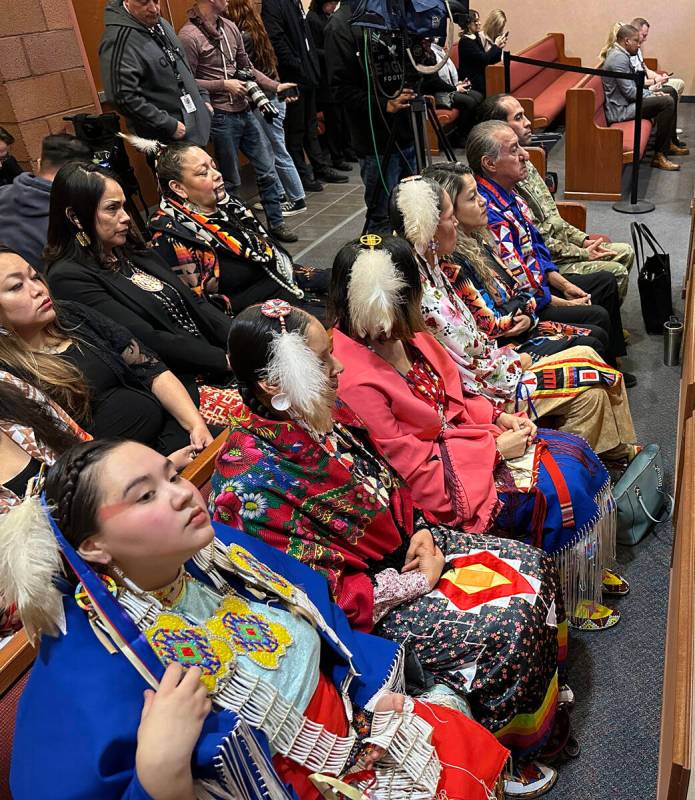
83,238
280,402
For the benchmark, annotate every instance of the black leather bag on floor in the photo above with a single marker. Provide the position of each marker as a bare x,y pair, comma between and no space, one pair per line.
653,278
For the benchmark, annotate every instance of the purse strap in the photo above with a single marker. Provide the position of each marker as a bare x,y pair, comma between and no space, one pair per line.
669,513
637,243
651,240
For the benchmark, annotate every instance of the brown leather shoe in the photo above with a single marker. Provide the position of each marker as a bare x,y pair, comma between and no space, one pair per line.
661,162
678,150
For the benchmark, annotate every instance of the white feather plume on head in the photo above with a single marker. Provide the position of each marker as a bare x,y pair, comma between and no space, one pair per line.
297,371
150,147
29,561
373,293
418,203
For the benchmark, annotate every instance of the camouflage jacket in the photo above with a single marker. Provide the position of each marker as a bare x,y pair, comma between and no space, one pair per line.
562,239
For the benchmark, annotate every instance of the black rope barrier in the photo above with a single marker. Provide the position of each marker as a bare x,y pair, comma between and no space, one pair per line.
633,206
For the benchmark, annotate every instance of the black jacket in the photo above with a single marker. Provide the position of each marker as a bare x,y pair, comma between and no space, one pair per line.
298,61
140,82
116,297
473,59
348,80
9,170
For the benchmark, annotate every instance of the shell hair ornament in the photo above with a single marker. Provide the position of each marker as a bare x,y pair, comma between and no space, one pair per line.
374,289
293,366
418,203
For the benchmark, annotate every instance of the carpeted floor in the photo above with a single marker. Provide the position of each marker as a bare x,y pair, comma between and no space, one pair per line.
617,674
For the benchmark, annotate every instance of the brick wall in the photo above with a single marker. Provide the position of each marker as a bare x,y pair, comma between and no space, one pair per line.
43,75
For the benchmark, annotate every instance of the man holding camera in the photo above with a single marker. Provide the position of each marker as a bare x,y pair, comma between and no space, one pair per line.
146,75
215,51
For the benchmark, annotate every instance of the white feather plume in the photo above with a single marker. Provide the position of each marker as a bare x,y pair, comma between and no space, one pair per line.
373,293
148,146
297,371
417,202
29,561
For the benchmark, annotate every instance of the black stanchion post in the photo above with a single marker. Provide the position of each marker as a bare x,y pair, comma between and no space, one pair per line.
507,71
635,206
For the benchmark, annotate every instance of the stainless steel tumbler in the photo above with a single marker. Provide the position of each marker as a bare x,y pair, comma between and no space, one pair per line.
673,336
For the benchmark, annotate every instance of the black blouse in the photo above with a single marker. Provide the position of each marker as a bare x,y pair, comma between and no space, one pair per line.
473,58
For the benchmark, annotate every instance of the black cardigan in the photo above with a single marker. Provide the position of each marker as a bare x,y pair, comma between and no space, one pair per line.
291,38
116,297
473,59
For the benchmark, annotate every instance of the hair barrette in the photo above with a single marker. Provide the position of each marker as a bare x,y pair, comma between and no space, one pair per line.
277,309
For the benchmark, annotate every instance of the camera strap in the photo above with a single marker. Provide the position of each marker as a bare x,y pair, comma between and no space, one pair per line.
219,48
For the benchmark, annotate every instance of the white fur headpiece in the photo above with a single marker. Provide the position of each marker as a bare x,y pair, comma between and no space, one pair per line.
418,203
29,562
297,371
373,293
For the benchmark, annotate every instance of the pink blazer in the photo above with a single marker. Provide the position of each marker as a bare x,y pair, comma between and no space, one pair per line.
450,475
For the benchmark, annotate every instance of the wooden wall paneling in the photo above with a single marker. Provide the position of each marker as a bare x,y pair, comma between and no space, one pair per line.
676,711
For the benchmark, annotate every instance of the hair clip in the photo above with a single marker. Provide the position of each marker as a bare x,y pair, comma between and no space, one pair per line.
370,240
277,309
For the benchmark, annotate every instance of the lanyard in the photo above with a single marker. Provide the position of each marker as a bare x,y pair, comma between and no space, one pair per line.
160,37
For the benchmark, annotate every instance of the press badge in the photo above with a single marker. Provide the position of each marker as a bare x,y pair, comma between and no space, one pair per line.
187,103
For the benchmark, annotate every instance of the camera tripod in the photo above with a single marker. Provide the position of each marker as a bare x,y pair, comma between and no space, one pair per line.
420,111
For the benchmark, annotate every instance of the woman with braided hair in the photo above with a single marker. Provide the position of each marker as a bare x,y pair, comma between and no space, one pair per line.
196,662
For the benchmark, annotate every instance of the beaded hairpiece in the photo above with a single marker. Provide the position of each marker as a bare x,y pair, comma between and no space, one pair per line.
374,289
293,367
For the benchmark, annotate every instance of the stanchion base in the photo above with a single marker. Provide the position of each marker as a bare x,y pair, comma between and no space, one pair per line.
640,207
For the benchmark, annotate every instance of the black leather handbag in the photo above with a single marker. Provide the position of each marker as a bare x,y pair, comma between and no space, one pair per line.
653,278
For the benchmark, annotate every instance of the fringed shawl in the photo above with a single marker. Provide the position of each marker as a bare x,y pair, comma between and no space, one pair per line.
278,483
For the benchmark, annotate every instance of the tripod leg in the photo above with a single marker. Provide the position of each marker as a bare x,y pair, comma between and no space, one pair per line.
442,138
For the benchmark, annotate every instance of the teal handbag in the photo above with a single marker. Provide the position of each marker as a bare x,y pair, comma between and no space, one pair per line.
640,496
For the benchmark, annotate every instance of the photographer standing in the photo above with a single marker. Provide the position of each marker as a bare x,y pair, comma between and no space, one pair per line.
216,53
298,61
146,75
372,115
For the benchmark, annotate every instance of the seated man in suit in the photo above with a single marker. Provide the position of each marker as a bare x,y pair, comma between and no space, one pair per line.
621,95
573,251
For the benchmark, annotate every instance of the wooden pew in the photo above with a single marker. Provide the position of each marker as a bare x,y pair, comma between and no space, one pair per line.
574,213
540,90
595,152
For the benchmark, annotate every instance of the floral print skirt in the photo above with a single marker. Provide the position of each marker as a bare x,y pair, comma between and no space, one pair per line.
494,630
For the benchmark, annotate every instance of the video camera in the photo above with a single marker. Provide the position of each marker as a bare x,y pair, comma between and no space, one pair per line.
399,35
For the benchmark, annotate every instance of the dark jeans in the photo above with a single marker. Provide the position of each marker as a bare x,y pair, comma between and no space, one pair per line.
661,109
602,317
399,165
301,135
241,130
